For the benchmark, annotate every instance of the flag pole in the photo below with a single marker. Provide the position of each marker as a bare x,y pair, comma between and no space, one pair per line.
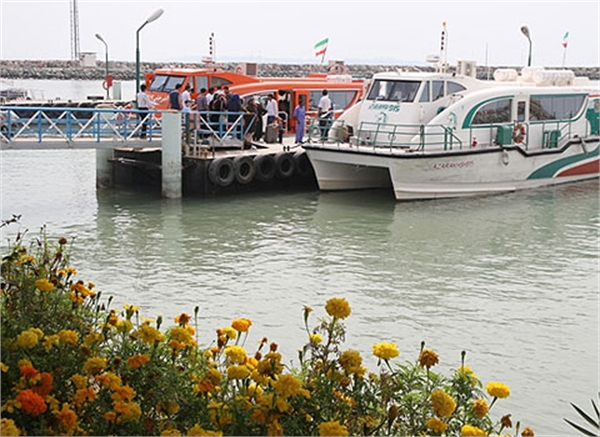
565,43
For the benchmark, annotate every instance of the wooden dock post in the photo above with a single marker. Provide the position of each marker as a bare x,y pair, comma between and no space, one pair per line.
171,155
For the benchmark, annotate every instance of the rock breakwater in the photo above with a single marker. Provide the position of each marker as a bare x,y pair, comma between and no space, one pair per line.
72,70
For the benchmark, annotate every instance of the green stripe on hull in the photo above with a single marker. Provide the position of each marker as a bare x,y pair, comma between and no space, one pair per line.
549,170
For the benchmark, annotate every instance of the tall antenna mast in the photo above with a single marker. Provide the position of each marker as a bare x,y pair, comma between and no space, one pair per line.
74,31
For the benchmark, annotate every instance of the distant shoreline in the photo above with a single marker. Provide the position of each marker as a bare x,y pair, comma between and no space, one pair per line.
72,70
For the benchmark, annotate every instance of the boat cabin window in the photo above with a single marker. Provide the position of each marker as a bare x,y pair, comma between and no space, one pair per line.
453,87
497,111
217,81
425,93
165,83
521,111
437,90
341,99
555,107
394,90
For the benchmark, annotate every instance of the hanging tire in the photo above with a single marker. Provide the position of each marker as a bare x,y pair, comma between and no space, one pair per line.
285,165
244,169
221,172
303,165
265,167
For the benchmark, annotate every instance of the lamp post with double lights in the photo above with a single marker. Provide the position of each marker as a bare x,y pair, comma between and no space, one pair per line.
525,31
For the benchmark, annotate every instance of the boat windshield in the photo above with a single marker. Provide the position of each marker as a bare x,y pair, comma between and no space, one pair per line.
165,83
394,90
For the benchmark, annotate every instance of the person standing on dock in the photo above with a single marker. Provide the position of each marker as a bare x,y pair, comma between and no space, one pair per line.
325,114
300,119
271,109
144,104
175,98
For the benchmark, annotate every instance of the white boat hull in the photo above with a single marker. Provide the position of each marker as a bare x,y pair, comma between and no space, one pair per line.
417,175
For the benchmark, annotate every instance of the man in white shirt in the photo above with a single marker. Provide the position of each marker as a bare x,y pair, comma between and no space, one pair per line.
325,113
271,109
144,104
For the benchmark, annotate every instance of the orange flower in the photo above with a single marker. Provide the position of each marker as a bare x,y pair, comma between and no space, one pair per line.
31,403
67,419
28,372
44,386
241,325
137,361
182,319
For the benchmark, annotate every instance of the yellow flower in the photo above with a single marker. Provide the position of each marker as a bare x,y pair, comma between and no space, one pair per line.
241,325
182,319
469,430
8,427
332,428
27,339
528,432
181,335
137,361
480,406
351,362
44,285
443,404
67,419
238,372
428,358
50,341
149,335
236,354
171,432
79,381
196,430
110,381
275,429
124,326
385,351
94,366
4,367
436,425
127,411
229,332
288,385
338,308
498,390
315,338
67,336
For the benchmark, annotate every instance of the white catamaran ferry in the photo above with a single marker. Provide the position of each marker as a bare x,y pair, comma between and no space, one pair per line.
442,134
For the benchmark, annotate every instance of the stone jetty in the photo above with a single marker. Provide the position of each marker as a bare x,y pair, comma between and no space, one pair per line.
72,70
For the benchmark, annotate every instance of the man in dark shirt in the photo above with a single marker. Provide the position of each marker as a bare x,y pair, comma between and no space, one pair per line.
175,98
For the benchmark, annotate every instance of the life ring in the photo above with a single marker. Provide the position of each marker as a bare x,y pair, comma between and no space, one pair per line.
303,165
221,172
518,133
265,167
244,169
105,85
285,165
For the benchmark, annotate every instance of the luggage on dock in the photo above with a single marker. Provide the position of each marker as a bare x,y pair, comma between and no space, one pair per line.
271,134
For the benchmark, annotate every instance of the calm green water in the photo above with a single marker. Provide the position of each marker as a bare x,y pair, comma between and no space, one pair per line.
511,279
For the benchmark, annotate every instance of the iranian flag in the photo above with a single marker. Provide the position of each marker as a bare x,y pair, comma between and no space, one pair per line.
321,47
564,41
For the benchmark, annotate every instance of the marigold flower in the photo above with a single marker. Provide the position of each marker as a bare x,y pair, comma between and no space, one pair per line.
275,429
469,430
43,386
67,419
229,332
79,381
50,341
28,372
171,432
124,326
528,432
31,402
428,358
443,404
241,325
436,425
8,427
137,361
94,366
4,367
110,380
27,339
338,308
480,406
315,338
149,335
351,362
287,386
332,428
181,335
67,336
84,395
385,351
236,354
505,421
498,390
44,285
238,372
110,416
182,319
127,411
196,430
123,393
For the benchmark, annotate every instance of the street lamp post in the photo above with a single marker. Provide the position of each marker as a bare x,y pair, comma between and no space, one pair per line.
525,31
150,19
105,62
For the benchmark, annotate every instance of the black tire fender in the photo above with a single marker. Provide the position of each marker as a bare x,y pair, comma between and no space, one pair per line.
285,165
244,169
303,165
221,172
265,167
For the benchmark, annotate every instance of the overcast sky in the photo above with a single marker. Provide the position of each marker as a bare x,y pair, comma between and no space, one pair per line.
285,31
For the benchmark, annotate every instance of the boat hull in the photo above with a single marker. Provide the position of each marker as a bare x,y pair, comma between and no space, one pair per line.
474,172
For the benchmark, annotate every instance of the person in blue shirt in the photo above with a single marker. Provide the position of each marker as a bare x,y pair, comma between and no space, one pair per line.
300,118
